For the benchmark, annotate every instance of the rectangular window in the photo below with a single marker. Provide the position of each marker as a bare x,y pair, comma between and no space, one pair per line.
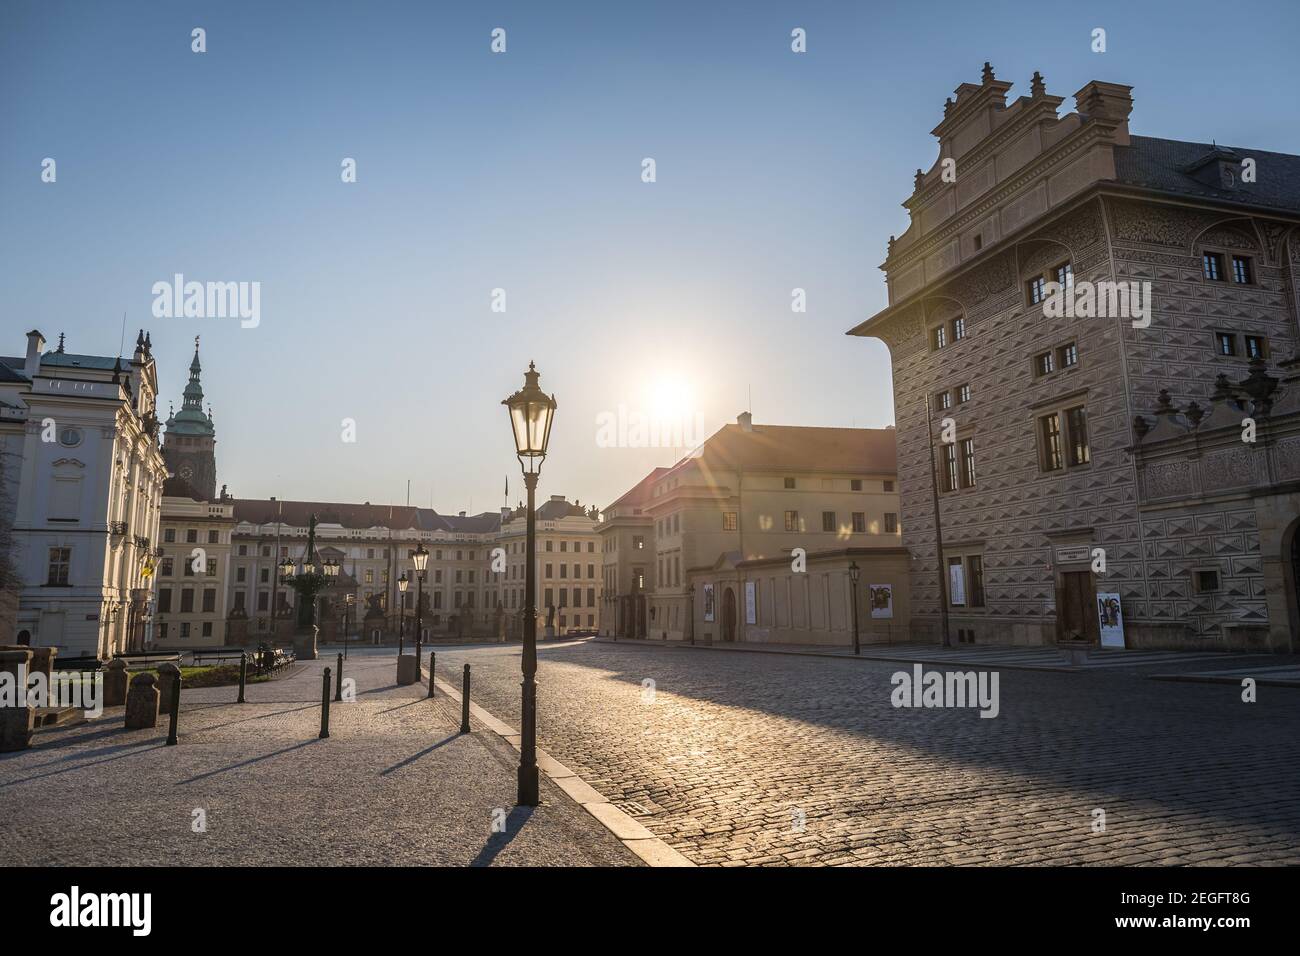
167,567
187,600
192,536
891,523
828,520
169,535
855,484
1049,430
1212,266
792,521
1076,423
1225,343
60,563
1035,289
1044,364
943,400
185,629
859,522
164,600
1207,581
963,394
241,574
968,463
638,543
1065,275
789,482
243,550
958,329
949,467
1068,355
975,580
889,486
213,537
209,600
207,628
938,337
1256,346
1241,270
729,521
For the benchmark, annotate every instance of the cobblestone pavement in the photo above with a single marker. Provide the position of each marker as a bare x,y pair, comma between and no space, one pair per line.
394,784
736,747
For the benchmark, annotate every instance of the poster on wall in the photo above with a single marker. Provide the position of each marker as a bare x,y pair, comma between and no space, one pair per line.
708,602
1110,617
751,604
956,583
882,601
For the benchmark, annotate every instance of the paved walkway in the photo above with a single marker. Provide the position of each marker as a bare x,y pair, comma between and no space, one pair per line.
395,784
740,759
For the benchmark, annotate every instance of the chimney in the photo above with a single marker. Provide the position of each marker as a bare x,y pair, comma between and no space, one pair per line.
35,342
557,497
746,421
462,514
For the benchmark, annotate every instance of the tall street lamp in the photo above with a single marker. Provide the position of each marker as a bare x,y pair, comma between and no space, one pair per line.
854,573
402,584
286,572
421,561
331,569
348,600
531,414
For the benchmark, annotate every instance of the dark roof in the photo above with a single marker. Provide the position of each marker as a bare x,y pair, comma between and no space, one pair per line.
11,370
799,448
396,517
71,360
1171,166
641,491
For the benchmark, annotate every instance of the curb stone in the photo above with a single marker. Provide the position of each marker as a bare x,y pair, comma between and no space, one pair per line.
649,848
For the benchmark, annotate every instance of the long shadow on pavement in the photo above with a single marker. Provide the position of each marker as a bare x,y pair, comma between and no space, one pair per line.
499,841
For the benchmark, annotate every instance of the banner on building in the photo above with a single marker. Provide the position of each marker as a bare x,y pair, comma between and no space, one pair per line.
1110,618
751,604
708,602
882,601
956,582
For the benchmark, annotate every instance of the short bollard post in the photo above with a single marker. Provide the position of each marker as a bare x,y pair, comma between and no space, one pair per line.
464,703
243,674
176,711
338,681
325,704
431,659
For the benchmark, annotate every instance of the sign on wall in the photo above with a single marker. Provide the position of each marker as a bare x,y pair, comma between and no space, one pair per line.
708,602
1110,618
956,583
751,604
882,601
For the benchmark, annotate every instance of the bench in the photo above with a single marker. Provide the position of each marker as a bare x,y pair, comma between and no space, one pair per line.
85,663
273,659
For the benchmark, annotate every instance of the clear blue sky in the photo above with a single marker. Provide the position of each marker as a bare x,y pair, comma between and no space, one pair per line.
522,171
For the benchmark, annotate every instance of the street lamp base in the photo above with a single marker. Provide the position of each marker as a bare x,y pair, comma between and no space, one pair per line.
528,794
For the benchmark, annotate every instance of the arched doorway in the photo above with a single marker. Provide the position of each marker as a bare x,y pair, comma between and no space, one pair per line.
729,615
24,638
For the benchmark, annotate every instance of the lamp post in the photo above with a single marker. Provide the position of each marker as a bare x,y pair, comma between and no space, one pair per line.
854,573
690,611
347,611
286,572
531,414
421,561
402,584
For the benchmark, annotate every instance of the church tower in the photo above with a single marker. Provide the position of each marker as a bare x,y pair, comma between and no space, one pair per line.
189,445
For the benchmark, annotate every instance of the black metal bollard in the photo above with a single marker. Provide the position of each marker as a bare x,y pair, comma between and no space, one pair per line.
431,659
243,674
464,703
338,681
175,712
325,704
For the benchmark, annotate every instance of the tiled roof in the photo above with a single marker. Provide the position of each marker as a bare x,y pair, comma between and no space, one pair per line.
1167,165
396,517
800,448
641,491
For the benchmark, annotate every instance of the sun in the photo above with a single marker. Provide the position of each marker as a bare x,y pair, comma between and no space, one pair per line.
670,399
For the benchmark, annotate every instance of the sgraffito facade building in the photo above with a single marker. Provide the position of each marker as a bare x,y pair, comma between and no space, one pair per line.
1093,470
